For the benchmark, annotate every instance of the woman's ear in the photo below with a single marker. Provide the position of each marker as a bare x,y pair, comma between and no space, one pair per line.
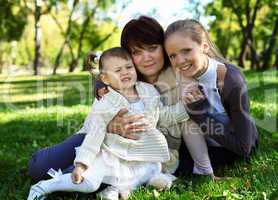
205,47
104,78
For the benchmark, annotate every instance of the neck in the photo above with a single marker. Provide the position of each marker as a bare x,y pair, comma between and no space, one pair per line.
203,69
151,79
129,93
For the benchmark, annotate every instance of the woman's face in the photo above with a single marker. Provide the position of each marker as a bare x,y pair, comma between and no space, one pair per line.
149,61
186,56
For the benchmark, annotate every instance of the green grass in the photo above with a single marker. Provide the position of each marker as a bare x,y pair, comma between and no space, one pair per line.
39,111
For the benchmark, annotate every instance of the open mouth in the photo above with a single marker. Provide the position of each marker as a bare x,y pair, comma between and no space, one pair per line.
126,79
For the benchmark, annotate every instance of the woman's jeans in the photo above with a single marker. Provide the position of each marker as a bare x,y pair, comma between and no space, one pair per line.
60,156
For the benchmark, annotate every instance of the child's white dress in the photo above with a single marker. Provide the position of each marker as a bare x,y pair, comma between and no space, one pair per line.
122,174
113,159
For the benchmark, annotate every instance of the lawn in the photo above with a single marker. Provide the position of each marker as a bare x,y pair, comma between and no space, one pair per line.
39,111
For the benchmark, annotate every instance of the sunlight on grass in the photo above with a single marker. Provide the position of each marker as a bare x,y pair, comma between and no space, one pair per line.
40,111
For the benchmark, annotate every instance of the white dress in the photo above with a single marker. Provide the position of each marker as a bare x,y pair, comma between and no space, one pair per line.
110,169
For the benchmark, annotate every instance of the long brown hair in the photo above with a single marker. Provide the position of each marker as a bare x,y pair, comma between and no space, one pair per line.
196,31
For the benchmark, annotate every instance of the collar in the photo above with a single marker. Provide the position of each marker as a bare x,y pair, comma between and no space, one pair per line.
166,80
209,75
117,98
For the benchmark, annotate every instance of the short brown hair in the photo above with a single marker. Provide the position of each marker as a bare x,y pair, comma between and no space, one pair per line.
143,31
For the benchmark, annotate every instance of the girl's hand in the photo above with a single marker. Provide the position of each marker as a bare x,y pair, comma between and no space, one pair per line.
76,174
126,126
191,93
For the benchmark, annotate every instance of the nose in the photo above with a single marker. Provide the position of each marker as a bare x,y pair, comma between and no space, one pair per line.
146,55
124,71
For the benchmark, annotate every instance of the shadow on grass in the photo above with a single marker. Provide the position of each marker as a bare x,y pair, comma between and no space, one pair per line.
19,139
64,91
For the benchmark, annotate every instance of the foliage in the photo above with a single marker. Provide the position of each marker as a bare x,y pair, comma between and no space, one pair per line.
245,30
12,20
41,111
54,20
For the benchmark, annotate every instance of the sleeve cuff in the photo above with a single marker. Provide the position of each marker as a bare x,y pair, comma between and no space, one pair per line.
84,156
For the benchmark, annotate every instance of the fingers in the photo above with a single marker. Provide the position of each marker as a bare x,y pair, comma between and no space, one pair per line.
122,112
192,93
136,123
133,119
126,126
76,174
76,178
130,136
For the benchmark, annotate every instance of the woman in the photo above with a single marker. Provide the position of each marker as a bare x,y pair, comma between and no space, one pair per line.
221,90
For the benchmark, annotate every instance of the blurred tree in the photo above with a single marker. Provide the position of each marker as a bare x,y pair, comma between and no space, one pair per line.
66,35
13,19
84,33
254,21
38,8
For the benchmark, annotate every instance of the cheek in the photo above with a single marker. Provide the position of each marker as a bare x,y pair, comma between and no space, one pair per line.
136,60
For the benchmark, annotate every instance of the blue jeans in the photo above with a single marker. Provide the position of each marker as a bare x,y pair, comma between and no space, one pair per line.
60,156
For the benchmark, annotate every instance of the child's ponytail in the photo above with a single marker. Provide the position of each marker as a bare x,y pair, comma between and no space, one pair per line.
91,62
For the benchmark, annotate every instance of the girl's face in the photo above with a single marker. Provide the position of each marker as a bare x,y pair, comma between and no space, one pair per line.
149,61
119,73
188,57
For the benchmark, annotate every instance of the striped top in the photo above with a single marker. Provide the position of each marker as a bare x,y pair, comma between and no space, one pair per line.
151,145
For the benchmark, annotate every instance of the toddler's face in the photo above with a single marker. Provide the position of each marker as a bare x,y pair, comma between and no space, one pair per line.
119,73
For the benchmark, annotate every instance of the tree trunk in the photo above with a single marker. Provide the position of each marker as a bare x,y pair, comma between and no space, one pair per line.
246,30
37,37
267,54
85,24
73,65
242,53
66,41
276,59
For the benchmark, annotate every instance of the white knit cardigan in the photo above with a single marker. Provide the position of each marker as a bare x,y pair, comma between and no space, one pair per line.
151,145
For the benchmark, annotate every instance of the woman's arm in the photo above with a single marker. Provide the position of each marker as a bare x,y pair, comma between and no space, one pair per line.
236,132
127,126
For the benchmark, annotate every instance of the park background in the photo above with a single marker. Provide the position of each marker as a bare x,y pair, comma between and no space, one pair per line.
46,90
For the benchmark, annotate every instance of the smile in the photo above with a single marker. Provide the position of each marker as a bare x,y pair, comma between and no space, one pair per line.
149,66
186,67
125,79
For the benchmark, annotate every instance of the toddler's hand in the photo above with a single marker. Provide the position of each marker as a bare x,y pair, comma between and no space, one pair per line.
76,174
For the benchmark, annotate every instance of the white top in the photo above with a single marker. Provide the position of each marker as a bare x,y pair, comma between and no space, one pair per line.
151,146
137,106
209,81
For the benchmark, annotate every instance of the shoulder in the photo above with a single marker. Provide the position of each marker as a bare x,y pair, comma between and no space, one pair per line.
147,87
166,74
234,78
100,105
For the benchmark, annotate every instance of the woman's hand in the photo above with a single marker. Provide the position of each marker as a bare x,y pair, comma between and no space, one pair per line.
126,126
192,93
76,174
